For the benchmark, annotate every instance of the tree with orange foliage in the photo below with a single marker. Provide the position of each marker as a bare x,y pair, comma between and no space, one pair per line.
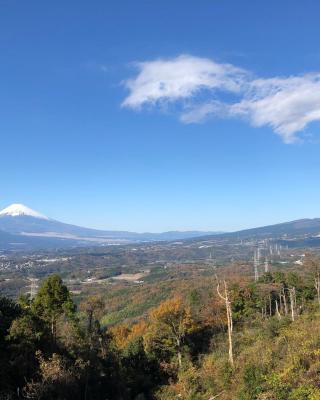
123,335
120,334
93,307
170,323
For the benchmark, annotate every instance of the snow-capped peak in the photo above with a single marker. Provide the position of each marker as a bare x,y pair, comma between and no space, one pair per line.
16,210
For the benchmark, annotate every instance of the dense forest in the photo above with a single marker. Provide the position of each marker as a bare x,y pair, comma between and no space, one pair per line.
224,337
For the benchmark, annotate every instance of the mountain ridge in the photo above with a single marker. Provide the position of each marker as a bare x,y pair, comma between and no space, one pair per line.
308,226
18,219
30,227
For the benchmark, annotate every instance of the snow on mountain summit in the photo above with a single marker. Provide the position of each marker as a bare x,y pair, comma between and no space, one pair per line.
18,210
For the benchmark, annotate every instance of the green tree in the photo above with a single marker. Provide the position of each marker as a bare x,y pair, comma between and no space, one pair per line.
52,301
8,312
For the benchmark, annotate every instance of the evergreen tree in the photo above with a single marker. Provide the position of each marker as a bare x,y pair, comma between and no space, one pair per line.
52,301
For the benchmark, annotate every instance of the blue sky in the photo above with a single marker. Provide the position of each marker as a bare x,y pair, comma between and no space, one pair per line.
152,116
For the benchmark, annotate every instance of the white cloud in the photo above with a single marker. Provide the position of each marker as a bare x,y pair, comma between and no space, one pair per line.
180,78
287,105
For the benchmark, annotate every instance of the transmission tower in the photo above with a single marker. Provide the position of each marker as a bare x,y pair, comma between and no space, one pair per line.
266,265
33,288
212,259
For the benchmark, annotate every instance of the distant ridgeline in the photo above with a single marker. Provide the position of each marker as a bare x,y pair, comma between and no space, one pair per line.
36,230
26,229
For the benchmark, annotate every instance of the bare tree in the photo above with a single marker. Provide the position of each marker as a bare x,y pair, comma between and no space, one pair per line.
284,297
270,305
317,284
226,299
293,302
277,310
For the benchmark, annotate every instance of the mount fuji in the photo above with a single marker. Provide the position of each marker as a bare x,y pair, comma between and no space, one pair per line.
19,210
28,225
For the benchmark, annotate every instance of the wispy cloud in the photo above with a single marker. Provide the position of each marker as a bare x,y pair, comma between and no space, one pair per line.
205,88
287,105
180,78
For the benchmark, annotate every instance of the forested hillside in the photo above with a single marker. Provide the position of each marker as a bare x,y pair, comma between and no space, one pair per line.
219,337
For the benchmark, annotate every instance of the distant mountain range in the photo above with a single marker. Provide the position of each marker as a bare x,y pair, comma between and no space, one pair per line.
309,227
23,228
298,233
20,226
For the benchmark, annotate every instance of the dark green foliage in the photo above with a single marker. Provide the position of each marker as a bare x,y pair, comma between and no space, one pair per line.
253,382
9,311
273,326
140,371
245,301
53,299
195,298
280,389
279,277
267,277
